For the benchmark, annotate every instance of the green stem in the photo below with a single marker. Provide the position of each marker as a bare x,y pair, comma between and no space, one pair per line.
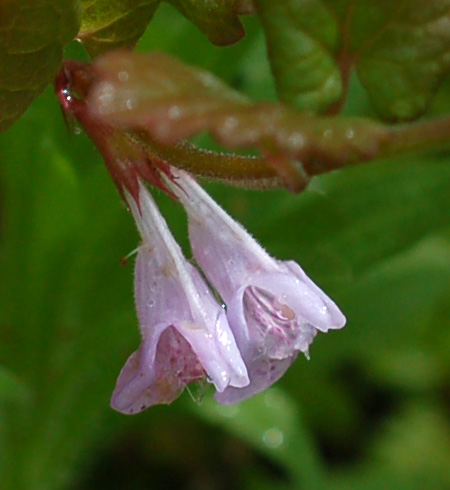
420,136
319,156
246,171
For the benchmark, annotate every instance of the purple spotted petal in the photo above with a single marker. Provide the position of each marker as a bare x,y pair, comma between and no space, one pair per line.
185,332
273,308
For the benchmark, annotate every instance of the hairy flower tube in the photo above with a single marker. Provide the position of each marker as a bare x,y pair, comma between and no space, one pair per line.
185,332
273,308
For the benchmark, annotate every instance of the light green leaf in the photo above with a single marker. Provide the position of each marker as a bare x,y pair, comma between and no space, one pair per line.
32,37
400,51
403,61
302,39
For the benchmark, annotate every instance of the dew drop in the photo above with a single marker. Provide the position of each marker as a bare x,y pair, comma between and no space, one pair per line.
230,123
130,104
174,112
296,140
123,76
273,438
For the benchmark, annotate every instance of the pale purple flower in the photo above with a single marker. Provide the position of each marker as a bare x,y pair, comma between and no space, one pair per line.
273,308
185,333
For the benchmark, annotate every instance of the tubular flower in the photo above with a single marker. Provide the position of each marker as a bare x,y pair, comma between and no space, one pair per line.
273,308
185,332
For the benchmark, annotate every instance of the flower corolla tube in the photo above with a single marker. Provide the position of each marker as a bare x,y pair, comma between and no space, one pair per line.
273,308
185,332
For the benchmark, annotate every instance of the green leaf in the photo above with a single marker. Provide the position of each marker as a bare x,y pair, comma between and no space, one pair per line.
107,25
362,215
302,38
421,456
59,327
32,37
11,388
110,24
402,62
218,19
400,51
271,423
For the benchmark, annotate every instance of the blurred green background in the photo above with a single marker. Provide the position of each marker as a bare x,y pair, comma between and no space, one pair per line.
371,409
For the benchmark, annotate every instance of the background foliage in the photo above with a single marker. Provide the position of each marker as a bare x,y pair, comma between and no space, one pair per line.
370,410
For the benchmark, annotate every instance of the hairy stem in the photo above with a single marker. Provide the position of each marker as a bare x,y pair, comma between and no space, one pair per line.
254,172
245,171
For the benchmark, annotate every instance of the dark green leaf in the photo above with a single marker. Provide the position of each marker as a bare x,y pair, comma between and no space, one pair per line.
218,19
107,25
363,215
272,424
49,326
11,388
110,24
32,37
